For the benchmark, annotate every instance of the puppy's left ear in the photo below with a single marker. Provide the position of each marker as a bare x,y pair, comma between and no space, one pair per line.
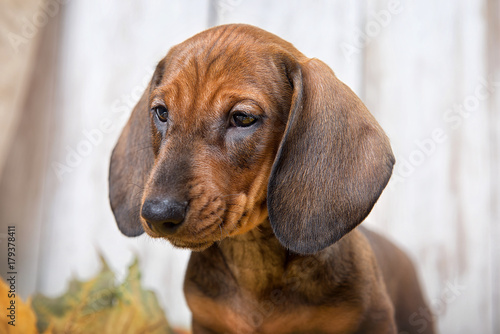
332,164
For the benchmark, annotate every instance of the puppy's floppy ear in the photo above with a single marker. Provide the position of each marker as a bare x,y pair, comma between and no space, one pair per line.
332,164
131,162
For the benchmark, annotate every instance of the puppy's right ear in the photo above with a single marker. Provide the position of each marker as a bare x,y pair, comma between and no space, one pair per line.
131,162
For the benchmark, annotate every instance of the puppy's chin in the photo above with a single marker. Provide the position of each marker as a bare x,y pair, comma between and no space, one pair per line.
195,247
184,244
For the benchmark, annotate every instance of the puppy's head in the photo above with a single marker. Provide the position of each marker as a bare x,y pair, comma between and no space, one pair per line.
236,127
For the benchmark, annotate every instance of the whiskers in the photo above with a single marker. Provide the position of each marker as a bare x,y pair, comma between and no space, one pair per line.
237,211
223,232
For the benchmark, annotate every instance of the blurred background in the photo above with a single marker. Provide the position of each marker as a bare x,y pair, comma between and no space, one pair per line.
429,71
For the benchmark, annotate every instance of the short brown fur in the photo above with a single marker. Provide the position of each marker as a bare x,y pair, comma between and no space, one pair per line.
270,209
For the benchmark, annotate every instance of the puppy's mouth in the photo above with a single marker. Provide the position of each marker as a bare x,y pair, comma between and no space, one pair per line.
190,235
204,224
198,235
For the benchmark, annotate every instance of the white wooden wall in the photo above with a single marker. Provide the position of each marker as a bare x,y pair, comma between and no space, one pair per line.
428,70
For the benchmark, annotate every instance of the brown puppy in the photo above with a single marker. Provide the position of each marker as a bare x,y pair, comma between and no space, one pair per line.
263,162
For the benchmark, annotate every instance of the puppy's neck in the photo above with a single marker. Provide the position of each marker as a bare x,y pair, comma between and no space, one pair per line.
254,265
256,259
258,262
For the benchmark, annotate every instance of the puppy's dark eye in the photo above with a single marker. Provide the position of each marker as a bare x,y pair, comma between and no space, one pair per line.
243,120
161,112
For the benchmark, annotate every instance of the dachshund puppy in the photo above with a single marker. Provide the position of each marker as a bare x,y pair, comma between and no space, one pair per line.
263,163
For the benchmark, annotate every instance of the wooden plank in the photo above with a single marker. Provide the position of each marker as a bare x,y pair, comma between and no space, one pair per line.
21,182
419,74
19,37
493,69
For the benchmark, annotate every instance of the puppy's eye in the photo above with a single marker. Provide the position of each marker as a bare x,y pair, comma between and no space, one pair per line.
243,120
161,112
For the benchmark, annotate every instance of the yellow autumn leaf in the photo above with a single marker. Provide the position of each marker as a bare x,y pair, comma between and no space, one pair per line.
19,318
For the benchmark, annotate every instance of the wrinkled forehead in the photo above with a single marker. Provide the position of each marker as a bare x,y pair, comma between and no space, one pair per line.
219,63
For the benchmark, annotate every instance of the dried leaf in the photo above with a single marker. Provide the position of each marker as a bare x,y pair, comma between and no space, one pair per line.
101,306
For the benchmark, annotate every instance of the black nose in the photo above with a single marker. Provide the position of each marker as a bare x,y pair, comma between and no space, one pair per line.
164,215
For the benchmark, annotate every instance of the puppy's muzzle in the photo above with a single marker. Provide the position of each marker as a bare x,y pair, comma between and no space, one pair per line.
164,215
